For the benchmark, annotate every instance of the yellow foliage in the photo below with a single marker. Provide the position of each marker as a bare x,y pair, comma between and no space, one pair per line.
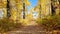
13,14
5,12
26,2
4,1
19,6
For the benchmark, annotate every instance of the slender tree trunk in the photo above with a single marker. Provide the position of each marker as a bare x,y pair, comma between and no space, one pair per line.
8,9
59,7
52,8
40,11
23,10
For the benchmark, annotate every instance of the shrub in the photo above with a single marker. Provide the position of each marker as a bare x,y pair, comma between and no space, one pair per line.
50,23
8,24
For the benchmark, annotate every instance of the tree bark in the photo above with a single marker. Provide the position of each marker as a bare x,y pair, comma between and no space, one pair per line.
8,9
52,8
23,10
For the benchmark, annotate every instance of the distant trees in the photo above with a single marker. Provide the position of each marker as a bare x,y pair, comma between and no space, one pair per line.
49,7
14,8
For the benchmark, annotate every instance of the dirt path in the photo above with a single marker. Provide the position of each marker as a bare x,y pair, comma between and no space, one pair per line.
32,23
28,30
31,28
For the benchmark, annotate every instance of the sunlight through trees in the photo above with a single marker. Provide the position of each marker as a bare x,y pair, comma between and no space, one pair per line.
17,9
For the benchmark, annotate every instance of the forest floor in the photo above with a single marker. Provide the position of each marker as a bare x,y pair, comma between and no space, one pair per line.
31,28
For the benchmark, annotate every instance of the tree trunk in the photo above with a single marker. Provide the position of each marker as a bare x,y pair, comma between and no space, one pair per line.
59,7
8,9
23,10
52,8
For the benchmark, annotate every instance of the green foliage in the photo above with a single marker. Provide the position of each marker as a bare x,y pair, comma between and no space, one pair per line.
8,24
50,23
